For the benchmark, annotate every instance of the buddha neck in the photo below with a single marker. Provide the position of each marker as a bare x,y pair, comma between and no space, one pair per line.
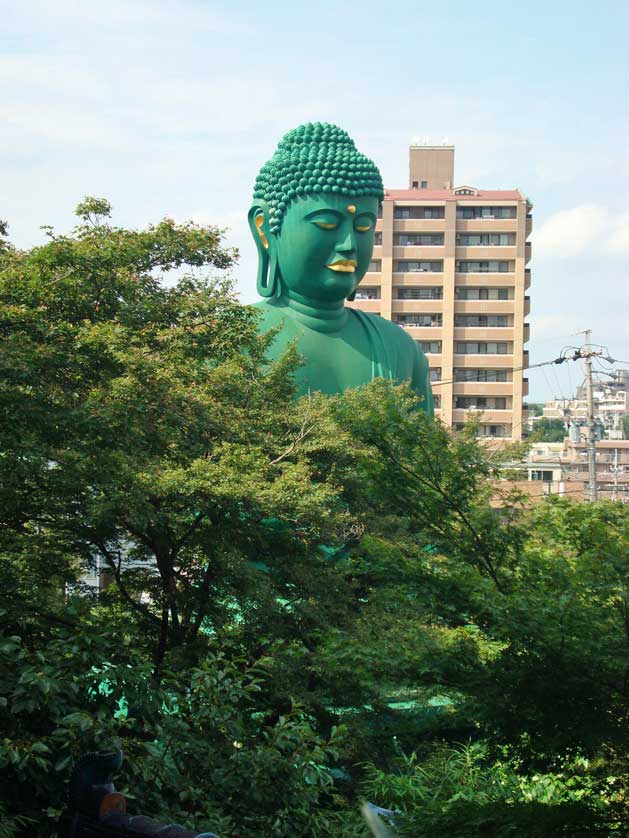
319,315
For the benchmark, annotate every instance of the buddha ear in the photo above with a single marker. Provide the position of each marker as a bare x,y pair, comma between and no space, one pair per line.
258,218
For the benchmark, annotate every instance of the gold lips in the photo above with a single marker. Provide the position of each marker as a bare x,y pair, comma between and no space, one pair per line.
345,265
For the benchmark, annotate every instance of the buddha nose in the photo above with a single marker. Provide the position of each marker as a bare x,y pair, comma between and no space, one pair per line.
347,246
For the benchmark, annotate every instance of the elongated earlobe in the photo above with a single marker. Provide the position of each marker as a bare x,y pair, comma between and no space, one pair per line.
266,281
262,281
273,282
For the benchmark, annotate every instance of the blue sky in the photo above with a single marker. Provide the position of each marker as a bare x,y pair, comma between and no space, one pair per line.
170,108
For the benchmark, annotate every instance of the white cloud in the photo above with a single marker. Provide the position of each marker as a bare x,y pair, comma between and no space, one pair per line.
619,239
570,231
588,226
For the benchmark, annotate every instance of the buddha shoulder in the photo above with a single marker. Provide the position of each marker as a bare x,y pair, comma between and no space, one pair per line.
390,331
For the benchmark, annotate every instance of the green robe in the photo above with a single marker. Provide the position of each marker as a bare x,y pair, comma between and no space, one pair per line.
339,355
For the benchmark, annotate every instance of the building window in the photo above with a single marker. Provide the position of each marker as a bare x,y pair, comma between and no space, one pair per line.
377,239
542,474
419,320
411,266
485,266
485,239
437,401
430,347
418,293
375,266
418,212
481,320
483,348
494,430
415,184
418,239
480,402
434,374
424,184
486,212
368,292
488,430
469,374
463,293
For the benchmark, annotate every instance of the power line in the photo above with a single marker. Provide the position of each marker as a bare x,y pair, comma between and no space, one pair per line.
558,384
613,360
590,353
570,384
463,380
548,384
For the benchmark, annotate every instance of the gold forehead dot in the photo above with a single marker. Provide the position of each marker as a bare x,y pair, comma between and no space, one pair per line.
351,209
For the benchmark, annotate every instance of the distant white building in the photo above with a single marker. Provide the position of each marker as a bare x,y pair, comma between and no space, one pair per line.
610,406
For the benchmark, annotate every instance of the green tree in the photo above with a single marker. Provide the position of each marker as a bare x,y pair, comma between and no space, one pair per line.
310,600
547,695
549,430
143,428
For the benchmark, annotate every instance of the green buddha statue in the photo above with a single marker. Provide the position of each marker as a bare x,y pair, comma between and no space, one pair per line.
313,218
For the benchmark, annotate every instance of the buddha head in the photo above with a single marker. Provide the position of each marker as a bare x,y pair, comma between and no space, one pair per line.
313,216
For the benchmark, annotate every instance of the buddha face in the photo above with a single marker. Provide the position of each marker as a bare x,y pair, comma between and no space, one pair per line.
325,245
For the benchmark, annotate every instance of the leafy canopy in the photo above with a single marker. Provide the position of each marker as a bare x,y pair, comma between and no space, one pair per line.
304,602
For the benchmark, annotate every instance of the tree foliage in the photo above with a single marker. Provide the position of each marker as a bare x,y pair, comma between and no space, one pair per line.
549,430
306,602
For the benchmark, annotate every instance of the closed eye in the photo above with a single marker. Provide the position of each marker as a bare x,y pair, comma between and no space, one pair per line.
325,225
363,224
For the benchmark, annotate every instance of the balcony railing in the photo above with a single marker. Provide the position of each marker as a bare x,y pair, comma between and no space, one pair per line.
428,321
482,321
484,266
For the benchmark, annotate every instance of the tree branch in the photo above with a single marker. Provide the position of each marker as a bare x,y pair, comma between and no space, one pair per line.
303,432
115,569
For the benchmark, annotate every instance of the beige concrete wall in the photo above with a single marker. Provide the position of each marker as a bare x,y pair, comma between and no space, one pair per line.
449,276
518,319
434,164
387,259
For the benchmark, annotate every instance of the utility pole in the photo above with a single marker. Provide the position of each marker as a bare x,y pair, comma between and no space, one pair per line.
591,444
614,470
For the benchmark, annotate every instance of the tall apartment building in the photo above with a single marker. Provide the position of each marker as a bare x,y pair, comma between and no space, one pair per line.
450,266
